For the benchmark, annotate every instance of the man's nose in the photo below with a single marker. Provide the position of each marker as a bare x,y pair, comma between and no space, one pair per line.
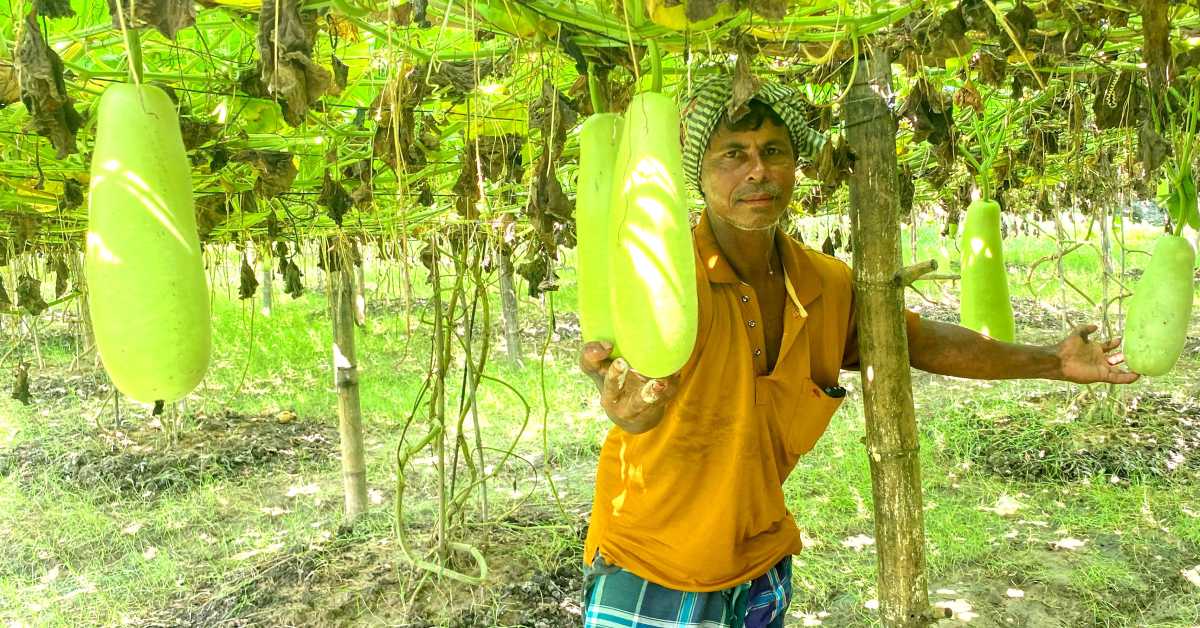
756,169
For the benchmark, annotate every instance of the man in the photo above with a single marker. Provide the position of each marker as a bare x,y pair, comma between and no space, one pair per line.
689,526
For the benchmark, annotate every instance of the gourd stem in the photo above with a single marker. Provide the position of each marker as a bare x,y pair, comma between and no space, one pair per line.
656,73
133,43
594,90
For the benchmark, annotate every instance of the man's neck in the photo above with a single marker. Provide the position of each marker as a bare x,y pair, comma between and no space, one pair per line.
751,252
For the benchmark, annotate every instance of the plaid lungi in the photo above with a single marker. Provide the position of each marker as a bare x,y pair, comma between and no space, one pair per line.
615,598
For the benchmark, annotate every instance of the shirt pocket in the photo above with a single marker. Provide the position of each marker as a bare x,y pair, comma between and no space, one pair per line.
809,417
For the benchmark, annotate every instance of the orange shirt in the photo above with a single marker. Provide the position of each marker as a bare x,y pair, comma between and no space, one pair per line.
696,504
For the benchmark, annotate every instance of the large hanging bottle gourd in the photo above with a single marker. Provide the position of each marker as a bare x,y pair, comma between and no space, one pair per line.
147,292
653,268
598,139
1160,308
985,305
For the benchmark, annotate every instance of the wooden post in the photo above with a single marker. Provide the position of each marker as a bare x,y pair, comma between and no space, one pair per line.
887,392
508,300
345,379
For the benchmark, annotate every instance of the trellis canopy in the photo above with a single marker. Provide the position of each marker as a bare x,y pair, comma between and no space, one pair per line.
305,117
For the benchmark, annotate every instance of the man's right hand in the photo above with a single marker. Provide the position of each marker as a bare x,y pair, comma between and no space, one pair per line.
633,401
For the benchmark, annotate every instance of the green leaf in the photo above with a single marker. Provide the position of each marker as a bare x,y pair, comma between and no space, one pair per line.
1187,194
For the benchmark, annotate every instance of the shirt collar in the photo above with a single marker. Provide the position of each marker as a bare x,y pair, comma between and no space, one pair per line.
798,267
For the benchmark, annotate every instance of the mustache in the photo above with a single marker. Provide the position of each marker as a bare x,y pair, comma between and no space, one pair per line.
765,189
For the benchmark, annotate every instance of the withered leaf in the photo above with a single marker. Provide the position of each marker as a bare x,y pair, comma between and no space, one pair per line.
698,10
1022,20
211,211
334,199
29,295
341,74
1153,150
247,282
43,91
554,114
276,171
929,112
978,16
62,277
72,195
394,107
285,58
539,276
291,280
968,96
167,16
196,132
745,85
827,246
24,229
53,8
20,390
273,230
770,9
460,77
10,88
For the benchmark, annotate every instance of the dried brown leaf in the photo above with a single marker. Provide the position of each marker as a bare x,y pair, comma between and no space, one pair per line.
285,58
43,91
167,16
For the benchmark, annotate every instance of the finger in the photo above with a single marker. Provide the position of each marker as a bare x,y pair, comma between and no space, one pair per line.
1112,344
593,359
1122,377
1116,359
1083,331
614,382
652,391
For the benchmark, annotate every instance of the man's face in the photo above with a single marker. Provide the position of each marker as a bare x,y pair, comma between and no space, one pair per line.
747,177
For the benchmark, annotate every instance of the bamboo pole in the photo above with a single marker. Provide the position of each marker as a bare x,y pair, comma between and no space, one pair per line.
508,300
266,277
360,292
345,379
887,392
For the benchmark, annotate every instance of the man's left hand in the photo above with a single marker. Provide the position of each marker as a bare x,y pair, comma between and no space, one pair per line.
1085,361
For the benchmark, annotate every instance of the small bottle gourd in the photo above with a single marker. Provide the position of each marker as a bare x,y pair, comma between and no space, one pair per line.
1160,308
985,305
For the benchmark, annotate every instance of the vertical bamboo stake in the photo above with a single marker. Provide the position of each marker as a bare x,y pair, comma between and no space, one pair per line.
87,337
360,292
508,299
887,393
266,275
345,379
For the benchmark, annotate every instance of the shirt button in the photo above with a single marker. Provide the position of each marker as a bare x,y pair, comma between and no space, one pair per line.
745,299
757,352
751,323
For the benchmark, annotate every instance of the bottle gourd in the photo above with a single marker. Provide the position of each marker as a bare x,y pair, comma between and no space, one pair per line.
985,305
598,139
145,276
652,270
1160,308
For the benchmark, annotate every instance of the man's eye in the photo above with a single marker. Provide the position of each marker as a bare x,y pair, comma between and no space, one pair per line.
731,154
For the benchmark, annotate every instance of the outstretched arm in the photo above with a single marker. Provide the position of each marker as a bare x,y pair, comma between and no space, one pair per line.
948,349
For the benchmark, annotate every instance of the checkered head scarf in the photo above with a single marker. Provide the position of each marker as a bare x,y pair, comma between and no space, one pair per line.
712,99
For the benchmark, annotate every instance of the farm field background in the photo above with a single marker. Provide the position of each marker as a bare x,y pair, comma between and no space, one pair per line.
1045,504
